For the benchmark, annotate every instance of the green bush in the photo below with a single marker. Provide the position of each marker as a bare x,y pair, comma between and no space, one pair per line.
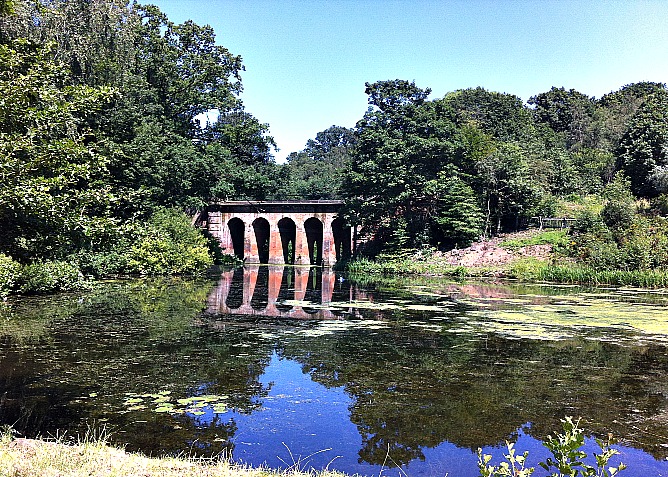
51,276
169,245
619,209
640,245
102,264
9,273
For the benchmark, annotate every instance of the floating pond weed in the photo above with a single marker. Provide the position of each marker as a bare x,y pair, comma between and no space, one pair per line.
163,402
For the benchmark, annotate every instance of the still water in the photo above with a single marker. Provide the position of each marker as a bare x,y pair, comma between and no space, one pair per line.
289,366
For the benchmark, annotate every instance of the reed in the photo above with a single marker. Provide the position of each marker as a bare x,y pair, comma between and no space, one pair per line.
584,275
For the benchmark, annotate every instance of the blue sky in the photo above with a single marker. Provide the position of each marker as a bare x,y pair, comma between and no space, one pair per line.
307,60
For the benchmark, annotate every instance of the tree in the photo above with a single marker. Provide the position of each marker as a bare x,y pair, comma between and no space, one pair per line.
643,150
333,145
501,115
185,71
243,135
457,213
54,195
317,171
99,109
166,76
393,96
509,189
402,144
94,39
617,108
566,111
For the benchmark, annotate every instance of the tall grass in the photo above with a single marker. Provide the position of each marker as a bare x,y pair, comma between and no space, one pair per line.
413,266
534,270
528,269
556,238
93,456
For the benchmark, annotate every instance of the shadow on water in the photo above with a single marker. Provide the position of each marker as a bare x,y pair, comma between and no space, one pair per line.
423,371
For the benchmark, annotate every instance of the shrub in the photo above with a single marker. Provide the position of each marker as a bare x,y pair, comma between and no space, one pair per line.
102,264
51,276
619,209
169,245
9,273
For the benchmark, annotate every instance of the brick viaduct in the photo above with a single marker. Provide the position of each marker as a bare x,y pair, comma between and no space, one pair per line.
289,232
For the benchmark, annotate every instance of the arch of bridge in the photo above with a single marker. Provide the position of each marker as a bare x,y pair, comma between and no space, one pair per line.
217,218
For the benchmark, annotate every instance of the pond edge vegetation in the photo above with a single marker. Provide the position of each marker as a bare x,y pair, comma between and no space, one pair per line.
92,454
613,240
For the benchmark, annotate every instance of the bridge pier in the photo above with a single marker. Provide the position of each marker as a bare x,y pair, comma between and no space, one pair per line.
275,245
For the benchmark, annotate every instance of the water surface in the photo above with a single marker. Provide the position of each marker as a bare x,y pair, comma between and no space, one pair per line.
297,366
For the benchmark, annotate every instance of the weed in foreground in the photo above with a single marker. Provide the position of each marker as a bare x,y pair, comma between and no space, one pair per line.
567,457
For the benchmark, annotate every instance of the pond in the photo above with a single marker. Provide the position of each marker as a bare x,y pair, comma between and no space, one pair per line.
302,367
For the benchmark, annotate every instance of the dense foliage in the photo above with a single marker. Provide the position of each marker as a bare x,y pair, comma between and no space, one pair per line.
100,128
476,162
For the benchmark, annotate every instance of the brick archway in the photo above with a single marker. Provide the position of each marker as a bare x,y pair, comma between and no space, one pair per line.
279,232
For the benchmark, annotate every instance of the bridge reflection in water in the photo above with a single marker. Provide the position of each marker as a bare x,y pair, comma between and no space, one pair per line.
283,291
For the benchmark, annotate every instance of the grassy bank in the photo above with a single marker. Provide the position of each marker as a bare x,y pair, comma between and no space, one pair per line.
37,458
529,270
412,266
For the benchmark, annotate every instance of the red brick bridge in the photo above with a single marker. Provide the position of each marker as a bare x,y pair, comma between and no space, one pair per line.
288,232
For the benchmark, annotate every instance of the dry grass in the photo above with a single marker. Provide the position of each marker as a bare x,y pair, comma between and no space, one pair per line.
38,458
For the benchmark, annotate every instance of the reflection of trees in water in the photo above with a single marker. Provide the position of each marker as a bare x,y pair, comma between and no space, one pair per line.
412,391
144,342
